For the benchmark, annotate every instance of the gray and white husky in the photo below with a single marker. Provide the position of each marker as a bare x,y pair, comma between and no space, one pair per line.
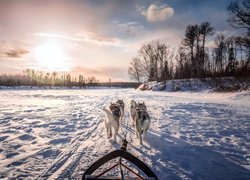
134,106
142,123
112,120
140,118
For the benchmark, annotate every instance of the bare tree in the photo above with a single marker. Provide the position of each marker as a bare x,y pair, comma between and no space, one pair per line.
135,70
219,52
151,63
239,11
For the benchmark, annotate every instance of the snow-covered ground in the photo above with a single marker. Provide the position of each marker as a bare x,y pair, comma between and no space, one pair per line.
223,84
57,134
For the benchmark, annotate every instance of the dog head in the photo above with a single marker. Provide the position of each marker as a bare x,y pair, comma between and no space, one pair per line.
141,107
114,108
121,103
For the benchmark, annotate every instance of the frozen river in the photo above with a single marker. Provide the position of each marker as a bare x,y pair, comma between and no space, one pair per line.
59,133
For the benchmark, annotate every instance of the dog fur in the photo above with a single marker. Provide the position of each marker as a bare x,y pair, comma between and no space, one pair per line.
121,106
111,121
141,106
136,107
140,118
142,123
133,105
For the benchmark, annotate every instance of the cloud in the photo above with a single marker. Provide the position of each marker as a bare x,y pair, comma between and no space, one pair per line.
95,38
16,53
86,36
130,28
156,13
58,36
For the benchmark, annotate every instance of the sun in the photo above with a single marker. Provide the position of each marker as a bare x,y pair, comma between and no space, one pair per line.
51,56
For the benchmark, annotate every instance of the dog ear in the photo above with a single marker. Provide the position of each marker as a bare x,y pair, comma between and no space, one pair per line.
143,103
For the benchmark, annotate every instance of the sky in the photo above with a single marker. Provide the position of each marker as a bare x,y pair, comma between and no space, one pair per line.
95,37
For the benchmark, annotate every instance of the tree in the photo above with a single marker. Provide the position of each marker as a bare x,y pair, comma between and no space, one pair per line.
151,62
54,74
189,41
231,63
134,70
205,30
219,52
183,64
239,11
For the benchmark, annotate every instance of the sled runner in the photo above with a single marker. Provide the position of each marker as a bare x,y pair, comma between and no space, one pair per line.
122,154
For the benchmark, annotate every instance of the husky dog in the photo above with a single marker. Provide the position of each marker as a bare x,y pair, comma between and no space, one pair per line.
112,120
121,106
142,123
136,107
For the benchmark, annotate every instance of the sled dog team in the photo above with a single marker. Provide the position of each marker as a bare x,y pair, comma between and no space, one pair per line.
115,113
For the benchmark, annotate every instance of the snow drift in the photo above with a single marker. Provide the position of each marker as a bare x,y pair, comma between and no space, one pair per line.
211,84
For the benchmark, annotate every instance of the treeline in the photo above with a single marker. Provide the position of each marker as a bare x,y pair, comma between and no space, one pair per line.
229,56
30,77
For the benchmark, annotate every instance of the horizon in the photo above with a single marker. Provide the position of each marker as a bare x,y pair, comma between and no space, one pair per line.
67,37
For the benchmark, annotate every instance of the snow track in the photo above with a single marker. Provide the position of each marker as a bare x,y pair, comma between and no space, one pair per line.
57,134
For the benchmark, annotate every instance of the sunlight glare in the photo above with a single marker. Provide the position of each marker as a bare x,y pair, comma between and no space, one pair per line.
51,56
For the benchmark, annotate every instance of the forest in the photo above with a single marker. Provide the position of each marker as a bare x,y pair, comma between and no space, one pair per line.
30,77
229,55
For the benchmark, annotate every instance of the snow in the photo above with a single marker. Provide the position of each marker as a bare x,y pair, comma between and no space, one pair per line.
223,84
57,133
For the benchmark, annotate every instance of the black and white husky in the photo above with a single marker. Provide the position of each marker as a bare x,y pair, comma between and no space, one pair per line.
112,120
121,105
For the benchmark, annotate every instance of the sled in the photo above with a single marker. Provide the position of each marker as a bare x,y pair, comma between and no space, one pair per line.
122,154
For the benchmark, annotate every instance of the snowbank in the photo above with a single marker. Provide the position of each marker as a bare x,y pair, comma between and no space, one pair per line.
210,84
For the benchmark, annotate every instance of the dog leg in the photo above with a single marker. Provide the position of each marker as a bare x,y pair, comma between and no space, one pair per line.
110,131
116,128
107,125
140,139
115,136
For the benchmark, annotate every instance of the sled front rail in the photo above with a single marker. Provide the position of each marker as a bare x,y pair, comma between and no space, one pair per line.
122,154
90,177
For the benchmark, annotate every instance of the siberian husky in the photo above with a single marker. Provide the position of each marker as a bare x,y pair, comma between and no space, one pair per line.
142,122
121,106
136,107
112,120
